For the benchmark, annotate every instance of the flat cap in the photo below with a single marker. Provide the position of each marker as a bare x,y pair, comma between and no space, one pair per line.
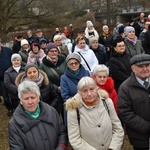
38,30
140,59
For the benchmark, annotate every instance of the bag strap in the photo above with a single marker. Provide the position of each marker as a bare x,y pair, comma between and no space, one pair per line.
85,61
55,72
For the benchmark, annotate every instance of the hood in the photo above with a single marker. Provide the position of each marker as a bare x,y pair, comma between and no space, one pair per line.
22,74
75,102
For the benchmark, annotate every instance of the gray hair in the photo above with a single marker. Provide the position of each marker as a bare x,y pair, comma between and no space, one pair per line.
100,68
85,81
27,86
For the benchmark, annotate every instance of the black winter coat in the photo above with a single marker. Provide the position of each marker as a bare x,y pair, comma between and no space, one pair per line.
46,132
146,42
134,111
9,81
119,67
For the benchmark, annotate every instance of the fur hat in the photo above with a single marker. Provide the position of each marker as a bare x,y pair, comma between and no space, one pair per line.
89,23
23,42
92,39
140,59
128,29
14,56
73,56
50,46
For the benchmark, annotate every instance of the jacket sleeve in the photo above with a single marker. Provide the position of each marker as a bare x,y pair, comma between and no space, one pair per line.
15,141
64,88
8,84
117,130
126,113
75,138
95,60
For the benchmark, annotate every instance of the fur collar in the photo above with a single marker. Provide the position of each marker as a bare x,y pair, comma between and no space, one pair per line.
45,81
75,102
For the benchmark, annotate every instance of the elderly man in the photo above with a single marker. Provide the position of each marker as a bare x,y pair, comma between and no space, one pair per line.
35,125
5,63
134,102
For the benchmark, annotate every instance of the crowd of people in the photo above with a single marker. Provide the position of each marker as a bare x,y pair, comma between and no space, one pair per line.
88,90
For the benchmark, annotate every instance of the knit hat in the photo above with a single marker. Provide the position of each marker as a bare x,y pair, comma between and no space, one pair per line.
50,46
140,59
92,39
14,56
89,23
73,56
42,40
29,65
56,37
23,42
128,29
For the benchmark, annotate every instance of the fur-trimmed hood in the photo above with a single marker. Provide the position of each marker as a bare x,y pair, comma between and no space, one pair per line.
75,102
19,77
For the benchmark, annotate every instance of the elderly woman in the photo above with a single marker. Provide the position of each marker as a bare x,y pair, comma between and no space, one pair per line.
36,54
89,60
63,49
9,79
92,121
73,73
35,124
47,90
133,45
101,76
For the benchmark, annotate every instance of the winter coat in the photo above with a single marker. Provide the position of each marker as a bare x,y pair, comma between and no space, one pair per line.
134,49
24,55
109,87
46,132
101,54
5,60
63,49
60,67
97,130
9,81
37,39
16,46
36,58
146,42
69,82
119,67
91,33
134,110
89,56
47,90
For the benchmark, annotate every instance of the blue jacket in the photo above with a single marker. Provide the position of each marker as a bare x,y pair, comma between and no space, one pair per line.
69,82
5,60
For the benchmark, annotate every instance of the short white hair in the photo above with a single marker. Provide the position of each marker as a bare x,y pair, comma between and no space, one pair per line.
84,82
27,86
100,68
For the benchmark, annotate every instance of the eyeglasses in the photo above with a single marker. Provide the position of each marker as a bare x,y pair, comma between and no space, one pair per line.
53,51
73,63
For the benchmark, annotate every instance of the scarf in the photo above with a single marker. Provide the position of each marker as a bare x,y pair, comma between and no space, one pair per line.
134,41
34,114
54,61
38,81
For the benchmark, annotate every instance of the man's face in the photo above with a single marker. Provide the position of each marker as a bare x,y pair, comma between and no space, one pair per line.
120,47
39,34
141,71
30,101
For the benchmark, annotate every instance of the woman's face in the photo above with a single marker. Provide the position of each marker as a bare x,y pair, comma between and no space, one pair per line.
30,101
101,77
81,44
94,45
131,35
57,42
73,64
16,62
25,46
35,49
53,53
32,73
89,93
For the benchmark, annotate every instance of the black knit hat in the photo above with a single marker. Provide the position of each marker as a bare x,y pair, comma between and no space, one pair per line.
140,59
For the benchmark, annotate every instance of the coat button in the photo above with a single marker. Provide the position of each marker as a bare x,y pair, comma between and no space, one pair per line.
102,144
99,126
